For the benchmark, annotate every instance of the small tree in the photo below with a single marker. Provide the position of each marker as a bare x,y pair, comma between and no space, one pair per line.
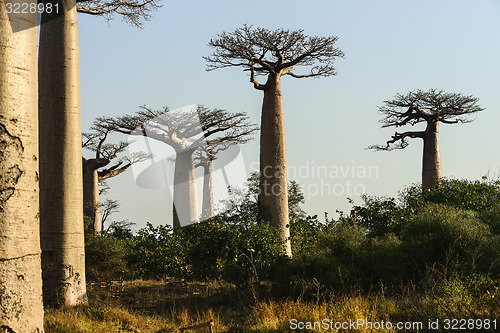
431,107
273,54
95,170
243,201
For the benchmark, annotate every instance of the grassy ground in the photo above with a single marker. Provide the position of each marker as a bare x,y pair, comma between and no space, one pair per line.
147,306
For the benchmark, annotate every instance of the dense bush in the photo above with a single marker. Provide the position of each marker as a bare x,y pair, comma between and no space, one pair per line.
476,195
451,231
212,249
105,259
155,253
380,216
390,240
454,239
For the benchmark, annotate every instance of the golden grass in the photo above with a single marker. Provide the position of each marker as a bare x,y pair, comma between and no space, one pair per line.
236,310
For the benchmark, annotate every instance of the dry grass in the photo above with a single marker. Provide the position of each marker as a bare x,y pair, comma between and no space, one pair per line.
177,304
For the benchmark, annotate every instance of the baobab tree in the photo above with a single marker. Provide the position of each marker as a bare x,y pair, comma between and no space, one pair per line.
274,54
205,156
97,170
432,108
185,132
21,308
61,194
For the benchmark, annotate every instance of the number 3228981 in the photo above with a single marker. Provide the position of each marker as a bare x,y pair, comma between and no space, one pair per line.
31,8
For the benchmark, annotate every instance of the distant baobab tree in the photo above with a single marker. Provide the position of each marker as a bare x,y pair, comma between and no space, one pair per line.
61,193
274,54
430,107
21,308
97,169
204,158
185,132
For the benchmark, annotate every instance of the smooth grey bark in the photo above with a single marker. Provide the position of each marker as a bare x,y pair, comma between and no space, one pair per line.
431,160
61,190
186,203
273,193
21,308
207,207
274,54
91,201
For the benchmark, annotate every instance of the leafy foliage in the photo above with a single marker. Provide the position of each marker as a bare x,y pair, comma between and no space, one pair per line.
435,237
155,253
476,195
105,258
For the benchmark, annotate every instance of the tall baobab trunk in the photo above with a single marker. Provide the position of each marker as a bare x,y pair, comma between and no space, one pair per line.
61,192
431,160
21,308
186,206
207,207
91,201
273,196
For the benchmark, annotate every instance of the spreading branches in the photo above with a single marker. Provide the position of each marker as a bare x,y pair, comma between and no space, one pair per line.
133,12
174,128
107,208
430,107
221,127
398,141
419,106
183,130
95,141
277,52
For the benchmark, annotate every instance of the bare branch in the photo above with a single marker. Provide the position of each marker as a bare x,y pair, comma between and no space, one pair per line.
184,130
419,106
398,141
132,11
256,83
276,52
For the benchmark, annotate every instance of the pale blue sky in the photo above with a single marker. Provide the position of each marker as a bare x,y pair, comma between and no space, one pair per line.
390,46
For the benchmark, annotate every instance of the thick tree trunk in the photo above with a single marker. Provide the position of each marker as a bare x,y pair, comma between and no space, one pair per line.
91,201
21,308
273,196
186,205
208,196
61,192
431,160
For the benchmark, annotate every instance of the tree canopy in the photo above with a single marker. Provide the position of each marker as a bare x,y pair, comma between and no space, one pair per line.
185,130
280,52
424,107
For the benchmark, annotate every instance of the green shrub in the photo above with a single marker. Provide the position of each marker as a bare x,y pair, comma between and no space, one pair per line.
476,195
491,217
234,250
454,239
304,233
105,259
385,260
155,253
380,216
211,249
335,260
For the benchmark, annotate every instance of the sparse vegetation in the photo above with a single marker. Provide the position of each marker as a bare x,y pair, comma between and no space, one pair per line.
426,254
